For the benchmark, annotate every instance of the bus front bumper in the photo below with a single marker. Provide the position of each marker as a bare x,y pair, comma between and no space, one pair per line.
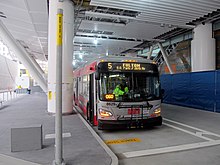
122,124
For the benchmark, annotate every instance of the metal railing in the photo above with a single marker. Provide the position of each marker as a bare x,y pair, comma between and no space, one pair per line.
6,95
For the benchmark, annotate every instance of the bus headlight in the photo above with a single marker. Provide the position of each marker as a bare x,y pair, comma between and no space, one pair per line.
104,113
157,111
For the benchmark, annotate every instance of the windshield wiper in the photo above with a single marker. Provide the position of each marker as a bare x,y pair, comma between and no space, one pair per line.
148,105
119,104
151,96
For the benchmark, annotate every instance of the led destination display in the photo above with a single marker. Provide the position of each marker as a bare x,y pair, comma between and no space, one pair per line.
125,66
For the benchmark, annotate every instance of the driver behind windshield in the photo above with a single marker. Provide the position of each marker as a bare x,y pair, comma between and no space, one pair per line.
120,90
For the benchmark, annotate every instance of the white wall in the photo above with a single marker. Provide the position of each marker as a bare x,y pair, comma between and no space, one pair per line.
203,48
8,73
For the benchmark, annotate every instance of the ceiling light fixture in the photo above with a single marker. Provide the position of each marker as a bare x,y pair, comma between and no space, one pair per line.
80,56
95,41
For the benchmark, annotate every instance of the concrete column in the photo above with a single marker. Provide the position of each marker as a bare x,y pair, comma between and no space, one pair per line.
203,48
52,56
68,32
67,79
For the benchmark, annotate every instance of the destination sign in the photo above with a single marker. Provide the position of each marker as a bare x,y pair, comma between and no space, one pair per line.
126,66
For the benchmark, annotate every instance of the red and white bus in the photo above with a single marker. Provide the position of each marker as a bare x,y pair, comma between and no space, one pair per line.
95,86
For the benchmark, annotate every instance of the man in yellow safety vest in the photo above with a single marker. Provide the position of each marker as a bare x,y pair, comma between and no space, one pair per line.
119,92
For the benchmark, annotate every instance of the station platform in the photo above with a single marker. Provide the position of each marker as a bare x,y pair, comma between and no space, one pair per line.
81,145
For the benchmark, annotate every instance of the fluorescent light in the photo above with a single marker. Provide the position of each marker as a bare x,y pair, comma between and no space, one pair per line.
106,15
80,56
95,41
105,23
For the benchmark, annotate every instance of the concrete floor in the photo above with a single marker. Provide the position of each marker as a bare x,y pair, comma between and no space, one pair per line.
79,149
187,137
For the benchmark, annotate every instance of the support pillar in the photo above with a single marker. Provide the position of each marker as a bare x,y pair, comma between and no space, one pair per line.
203,48
150,52
58,117
165,58
67,74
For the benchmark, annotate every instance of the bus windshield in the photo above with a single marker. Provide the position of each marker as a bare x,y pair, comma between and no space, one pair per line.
129,86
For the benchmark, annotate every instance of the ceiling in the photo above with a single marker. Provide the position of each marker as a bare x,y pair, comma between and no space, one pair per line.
27,21
117,25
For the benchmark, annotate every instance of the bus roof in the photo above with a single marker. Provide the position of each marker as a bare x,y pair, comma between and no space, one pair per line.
89,66
123,58
116,59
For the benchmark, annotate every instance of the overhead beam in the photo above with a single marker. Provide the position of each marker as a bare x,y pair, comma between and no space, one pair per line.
138,6
150,15
150,52
164,54
22,56
149,20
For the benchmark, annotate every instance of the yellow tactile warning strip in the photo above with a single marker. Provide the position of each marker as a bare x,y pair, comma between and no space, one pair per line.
122,141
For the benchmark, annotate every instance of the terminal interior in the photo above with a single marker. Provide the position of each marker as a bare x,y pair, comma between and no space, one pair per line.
47,47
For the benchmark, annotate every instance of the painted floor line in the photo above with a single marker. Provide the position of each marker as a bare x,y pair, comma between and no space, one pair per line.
122,141
186,131
188,126
170,149
52,136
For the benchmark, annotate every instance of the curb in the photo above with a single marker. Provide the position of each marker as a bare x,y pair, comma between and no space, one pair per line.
5,159
105,147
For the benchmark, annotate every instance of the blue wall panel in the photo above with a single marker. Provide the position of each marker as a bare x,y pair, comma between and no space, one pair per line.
166,83
180,88
203,90
197,89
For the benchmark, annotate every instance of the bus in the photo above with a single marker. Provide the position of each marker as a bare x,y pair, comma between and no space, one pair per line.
97,87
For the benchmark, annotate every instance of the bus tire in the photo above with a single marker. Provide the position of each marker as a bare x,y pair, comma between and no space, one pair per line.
159,122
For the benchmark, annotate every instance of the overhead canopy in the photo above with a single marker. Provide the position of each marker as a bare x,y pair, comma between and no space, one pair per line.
116,25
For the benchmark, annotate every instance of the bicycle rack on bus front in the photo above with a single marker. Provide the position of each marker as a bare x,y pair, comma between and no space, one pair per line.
133,112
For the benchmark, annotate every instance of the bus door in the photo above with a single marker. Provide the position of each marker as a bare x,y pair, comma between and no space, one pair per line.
76,95
90,110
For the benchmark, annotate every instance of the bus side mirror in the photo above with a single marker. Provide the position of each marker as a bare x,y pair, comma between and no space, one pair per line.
97,75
